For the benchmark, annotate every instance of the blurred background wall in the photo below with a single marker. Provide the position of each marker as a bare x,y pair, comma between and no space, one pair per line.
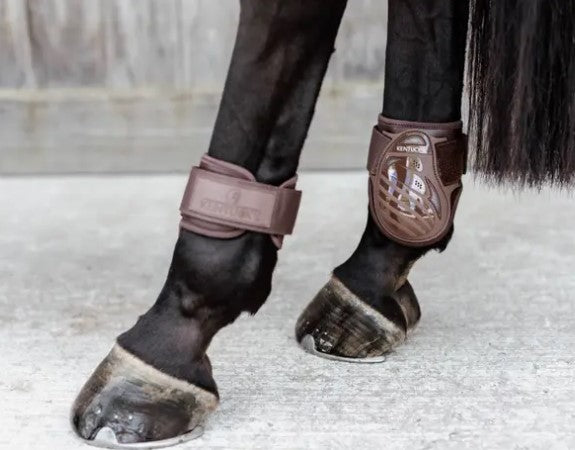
133,85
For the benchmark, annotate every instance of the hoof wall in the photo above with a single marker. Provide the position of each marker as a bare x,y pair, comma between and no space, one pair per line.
338,325
127,403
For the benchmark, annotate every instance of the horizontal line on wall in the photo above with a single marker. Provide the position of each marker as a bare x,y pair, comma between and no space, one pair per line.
207,93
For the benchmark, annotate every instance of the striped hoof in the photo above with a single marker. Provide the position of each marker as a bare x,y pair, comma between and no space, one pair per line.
127,403
338,325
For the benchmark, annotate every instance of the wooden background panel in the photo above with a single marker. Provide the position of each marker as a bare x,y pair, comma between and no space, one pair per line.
207,39
67,41
141,43
142,39
116,43
15,52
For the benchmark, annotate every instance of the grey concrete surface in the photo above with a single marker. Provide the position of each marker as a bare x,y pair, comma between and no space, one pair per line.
492,364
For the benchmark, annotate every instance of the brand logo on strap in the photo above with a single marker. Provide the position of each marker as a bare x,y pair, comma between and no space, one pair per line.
233,196
230,208
412,148
413,142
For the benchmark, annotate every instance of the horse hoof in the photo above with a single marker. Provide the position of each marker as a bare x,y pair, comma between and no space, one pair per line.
338,325
127,403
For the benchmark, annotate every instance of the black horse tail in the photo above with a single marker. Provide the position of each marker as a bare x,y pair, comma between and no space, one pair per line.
521,75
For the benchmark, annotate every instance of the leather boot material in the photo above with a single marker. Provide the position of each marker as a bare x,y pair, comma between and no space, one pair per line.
224,200
415,171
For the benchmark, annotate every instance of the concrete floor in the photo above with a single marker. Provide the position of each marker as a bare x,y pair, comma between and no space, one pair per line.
492,364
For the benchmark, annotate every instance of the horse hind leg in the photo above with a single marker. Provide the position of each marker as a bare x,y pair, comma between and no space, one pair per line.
368,307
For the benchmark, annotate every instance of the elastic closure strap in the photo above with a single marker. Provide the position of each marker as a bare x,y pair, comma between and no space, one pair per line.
224,200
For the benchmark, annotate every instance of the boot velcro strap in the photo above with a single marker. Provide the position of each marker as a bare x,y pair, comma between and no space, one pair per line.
452,153
228,196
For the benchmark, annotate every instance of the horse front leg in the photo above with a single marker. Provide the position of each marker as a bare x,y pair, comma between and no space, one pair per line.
368,306
156,384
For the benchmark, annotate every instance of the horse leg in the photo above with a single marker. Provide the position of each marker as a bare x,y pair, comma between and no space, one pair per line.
368,306
156,384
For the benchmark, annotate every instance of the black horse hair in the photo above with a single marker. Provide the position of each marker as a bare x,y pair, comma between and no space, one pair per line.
521,84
